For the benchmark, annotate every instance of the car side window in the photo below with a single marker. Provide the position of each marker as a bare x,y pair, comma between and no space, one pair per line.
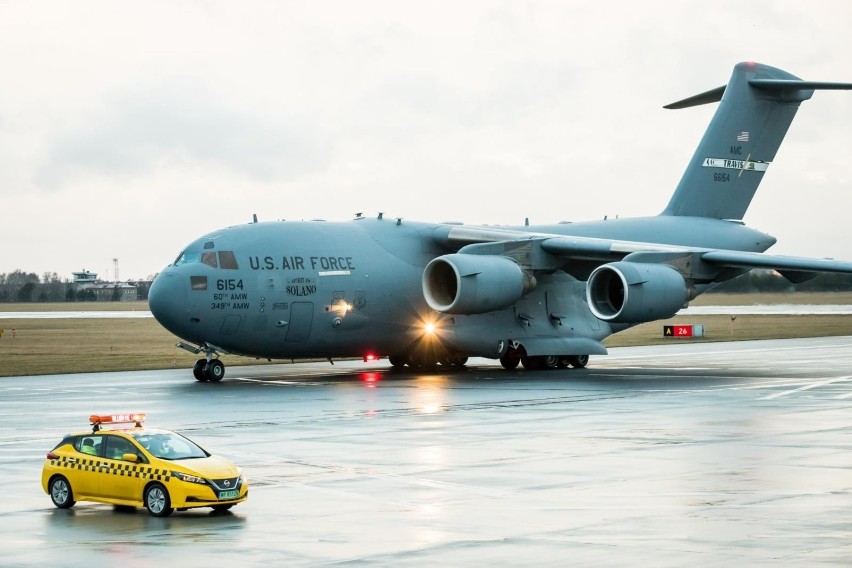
116,447
89,445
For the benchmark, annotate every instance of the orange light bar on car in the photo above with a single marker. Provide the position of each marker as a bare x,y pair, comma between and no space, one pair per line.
136,418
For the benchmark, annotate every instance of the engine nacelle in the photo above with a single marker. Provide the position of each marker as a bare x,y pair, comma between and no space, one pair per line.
473,283
633,292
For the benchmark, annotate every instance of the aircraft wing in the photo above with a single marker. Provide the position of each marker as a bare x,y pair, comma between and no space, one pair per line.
608,250
601,249
781,263
573,247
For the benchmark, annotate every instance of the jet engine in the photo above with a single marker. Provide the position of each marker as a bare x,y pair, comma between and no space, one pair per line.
474,284
632,292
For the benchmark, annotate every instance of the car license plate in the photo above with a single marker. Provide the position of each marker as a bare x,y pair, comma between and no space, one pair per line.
233,494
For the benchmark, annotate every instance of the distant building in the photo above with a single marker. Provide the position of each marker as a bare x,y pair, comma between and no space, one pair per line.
114,292
83,280
104,291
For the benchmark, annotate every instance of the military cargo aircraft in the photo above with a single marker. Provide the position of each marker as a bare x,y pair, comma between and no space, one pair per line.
423,294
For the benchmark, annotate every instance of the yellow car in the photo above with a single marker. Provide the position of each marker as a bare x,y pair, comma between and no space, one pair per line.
135,466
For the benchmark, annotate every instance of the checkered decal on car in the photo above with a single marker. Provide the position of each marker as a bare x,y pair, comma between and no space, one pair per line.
122,469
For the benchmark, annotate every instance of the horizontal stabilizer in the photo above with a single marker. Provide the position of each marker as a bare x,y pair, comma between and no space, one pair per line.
711,96
779,85
786,85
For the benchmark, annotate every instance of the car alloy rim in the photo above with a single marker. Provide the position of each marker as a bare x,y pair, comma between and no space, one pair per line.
156,500
60,491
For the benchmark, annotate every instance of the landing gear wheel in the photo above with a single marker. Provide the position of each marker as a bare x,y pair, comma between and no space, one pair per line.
214,370
509,362
157,501
455,360
530,363
563,362
578,361
548,361
421,362
396,361
198,370
60,492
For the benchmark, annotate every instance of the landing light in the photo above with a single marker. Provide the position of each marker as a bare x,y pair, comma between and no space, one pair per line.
341,308
370,357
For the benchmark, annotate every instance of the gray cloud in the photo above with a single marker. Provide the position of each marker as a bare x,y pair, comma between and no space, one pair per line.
183,126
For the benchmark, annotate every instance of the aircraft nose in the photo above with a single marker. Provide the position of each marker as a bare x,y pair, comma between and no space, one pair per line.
166,300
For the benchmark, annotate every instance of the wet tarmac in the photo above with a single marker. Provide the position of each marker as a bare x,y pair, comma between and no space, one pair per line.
692,454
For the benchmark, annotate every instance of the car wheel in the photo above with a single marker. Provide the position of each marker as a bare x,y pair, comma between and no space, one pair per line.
60,492
157,501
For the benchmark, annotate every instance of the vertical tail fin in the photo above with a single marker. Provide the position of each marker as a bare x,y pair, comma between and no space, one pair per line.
756,109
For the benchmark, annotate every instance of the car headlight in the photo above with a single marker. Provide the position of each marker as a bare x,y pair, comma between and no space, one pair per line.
189,478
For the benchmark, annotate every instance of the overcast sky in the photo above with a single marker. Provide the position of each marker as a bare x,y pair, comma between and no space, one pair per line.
127,129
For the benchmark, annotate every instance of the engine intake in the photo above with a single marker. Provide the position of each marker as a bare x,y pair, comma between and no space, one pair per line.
474,284
632,292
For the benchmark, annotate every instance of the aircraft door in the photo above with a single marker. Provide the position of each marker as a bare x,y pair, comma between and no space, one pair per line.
301,319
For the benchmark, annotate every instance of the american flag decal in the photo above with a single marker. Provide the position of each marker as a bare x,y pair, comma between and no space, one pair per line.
742,136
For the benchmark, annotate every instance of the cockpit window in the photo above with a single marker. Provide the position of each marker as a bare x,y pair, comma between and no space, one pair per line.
188,257
198,282
208,245
227,260
209,258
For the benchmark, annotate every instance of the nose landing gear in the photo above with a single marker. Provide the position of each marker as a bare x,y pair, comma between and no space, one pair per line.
212,370
208,369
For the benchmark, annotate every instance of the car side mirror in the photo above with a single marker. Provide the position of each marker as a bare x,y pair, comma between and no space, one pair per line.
130,458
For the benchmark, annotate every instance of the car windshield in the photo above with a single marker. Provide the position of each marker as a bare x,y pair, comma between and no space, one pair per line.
169,446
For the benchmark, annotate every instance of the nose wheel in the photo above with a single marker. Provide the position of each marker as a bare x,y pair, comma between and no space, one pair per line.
212,370
209,369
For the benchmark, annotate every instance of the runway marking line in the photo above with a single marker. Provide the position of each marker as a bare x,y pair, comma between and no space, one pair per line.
807,387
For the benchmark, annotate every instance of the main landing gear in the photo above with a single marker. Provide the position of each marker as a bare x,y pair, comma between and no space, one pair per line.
453,360
511,360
